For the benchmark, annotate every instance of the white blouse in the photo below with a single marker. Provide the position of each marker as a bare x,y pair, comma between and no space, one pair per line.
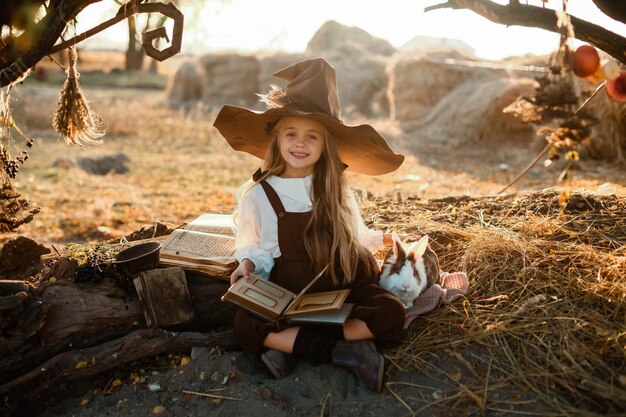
257,234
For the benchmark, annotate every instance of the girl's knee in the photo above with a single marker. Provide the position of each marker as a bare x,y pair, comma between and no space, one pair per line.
391,321
247,333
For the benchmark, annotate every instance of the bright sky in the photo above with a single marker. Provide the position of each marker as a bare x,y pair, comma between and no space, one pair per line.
288,25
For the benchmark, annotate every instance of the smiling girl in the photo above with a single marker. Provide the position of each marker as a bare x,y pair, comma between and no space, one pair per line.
298,216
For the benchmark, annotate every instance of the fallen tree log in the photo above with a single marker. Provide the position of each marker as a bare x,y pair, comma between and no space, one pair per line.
67,315
25,394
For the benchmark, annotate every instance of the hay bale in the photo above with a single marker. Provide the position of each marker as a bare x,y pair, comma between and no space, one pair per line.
429,44
360,60
416,84
230,78
496,125
362,81
332,36
457,102
472,113
185,86
609,134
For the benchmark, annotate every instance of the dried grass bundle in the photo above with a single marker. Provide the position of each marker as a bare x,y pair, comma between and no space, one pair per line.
74,119
546,307
275,98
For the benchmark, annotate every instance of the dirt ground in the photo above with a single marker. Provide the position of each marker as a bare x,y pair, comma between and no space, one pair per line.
180,168
236,384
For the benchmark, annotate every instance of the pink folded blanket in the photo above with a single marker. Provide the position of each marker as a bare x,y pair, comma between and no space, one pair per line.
453,285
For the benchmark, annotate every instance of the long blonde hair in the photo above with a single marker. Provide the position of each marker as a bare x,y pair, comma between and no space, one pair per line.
328,237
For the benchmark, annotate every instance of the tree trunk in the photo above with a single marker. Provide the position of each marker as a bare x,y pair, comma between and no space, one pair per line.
62,324
154,66
134,53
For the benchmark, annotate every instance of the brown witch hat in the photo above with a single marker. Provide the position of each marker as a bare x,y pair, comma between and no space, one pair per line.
311,92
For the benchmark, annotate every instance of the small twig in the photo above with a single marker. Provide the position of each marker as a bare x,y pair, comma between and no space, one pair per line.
565,171
445,5
487,382
56,250
388,385
219,397
324,400
547,147
56,61
528,168
390,359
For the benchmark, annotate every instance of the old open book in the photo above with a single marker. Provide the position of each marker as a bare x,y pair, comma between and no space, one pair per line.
205,245
273,302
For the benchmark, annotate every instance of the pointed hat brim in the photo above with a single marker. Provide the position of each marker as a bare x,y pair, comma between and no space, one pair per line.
360,147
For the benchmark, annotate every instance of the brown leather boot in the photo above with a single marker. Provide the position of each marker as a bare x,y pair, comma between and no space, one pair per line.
362,358
279,363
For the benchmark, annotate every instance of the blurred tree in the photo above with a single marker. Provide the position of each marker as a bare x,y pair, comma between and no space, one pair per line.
135,54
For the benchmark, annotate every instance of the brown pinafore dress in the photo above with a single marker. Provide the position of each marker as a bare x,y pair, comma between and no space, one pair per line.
380,310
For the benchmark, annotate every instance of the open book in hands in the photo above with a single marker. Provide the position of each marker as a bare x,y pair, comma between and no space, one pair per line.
274,303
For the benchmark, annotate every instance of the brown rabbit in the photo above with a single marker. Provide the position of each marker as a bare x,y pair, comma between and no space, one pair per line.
409,269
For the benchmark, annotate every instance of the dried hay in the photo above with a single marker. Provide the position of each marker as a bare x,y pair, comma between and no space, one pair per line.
609,135
14,210
74,119
546,308
458,101
472,113
185,86
230,78
416,84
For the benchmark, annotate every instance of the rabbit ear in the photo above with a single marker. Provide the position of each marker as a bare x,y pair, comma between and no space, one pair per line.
397,247
418,248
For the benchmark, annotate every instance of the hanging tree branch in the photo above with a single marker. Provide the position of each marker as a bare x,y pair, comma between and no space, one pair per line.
133,8
16,61
24,51
532,16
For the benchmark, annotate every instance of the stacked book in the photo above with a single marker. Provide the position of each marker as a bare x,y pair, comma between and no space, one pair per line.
205,245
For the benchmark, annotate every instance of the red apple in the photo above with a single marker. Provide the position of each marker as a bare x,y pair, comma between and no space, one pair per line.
616,89
586,61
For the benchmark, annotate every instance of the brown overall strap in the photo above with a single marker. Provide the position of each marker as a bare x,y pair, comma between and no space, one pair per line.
272,196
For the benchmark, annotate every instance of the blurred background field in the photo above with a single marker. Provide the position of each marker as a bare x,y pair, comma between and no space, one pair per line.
179,166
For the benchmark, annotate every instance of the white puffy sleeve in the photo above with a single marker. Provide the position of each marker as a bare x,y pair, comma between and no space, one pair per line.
371,239
248,238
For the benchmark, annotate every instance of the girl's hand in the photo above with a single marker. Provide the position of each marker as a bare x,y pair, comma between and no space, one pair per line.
245,269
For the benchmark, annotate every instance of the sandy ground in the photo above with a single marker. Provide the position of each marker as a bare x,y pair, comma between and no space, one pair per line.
237,384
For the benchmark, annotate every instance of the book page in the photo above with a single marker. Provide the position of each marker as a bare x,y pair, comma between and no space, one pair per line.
219,224
192,245
216,270
318,300
325,317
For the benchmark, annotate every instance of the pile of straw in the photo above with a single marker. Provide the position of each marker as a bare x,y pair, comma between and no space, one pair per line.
546,307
